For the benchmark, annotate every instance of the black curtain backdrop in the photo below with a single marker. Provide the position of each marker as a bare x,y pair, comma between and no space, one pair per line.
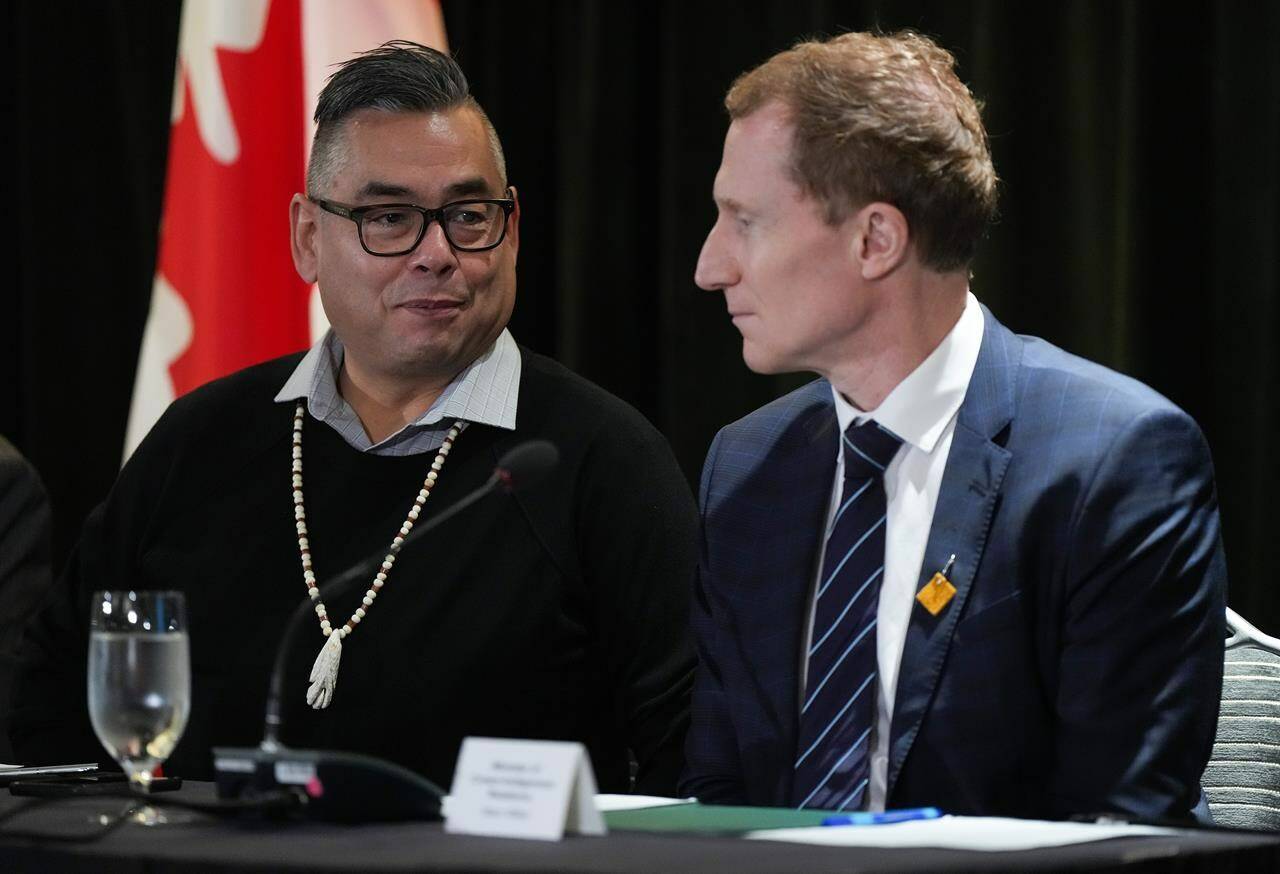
1139,151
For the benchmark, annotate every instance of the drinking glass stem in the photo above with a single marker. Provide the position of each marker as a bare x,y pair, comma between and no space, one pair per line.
146,814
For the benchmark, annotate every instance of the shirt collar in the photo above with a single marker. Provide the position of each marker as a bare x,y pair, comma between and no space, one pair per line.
921,406
486,392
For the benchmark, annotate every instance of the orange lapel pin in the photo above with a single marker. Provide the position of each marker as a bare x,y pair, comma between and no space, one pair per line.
938,592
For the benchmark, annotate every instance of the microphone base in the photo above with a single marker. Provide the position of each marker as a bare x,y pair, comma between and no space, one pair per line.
333,786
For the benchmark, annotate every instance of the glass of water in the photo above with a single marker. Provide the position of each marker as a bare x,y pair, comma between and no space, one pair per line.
139,681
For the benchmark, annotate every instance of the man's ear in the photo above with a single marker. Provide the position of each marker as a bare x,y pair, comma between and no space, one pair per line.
881,239
303,234
513,225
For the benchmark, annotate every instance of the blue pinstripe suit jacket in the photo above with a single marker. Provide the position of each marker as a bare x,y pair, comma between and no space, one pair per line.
1079,664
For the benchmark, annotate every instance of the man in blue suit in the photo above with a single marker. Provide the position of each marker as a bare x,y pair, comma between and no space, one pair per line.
964,568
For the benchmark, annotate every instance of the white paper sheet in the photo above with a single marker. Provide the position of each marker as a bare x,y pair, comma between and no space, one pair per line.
991,834
607,803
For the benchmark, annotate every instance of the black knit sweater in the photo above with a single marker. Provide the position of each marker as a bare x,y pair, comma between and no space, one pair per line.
558,613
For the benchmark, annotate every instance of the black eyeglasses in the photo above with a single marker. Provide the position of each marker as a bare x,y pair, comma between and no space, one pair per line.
388,229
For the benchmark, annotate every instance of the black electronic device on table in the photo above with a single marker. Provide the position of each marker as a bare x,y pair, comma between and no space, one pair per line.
72,785
348,787
333,786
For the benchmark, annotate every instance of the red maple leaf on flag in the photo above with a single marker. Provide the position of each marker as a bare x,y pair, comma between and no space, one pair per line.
224,241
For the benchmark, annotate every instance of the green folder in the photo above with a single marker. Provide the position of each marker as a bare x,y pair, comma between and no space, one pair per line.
711,818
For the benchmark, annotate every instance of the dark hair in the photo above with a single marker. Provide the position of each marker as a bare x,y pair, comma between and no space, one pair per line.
884,117
397,76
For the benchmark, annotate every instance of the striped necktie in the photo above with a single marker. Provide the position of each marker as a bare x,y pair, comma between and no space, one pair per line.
838,709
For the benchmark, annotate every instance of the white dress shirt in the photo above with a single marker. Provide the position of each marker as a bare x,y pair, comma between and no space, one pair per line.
486,392
922,411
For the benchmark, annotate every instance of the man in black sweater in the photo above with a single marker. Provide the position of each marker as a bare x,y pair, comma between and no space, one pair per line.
560,613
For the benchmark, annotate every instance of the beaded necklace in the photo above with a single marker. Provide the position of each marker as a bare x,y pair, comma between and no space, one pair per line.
324,673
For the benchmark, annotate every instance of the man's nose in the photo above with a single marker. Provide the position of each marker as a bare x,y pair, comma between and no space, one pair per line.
716,270
433,251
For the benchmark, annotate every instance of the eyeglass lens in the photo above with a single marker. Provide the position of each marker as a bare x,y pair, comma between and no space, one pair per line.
466,225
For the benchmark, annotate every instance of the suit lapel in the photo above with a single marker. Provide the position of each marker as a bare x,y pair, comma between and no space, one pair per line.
961,523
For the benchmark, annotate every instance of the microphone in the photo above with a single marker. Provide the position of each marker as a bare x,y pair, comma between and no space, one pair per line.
377,790
527,464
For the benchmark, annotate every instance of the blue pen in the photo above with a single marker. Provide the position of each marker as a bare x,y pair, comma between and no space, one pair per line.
864,818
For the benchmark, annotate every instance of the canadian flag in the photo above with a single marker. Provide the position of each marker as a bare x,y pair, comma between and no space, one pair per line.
248,74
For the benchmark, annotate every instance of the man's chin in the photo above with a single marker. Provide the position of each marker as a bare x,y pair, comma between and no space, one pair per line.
430,364
760,360
438,358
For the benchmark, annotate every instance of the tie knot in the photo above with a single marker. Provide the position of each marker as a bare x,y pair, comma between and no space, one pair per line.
868,449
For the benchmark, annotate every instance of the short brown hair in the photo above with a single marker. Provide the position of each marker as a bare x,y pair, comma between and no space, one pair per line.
884,118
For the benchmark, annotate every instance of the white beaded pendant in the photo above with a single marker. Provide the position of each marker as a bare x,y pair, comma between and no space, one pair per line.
324,673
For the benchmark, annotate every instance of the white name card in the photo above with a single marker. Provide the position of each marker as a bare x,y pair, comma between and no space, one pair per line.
523,789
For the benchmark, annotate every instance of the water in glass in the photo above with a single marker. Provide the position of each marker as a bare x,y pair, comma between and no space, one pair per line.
139,696
139,681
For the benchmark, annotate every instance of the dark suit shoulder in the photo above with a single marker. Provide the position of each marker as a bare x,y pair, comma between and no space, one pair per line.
16,472
24,514
1045,366
798,428
765,427
1071,414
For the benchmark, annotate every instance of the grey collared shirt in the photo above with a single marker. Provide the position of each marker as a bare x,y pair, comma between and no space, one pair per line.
485,393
